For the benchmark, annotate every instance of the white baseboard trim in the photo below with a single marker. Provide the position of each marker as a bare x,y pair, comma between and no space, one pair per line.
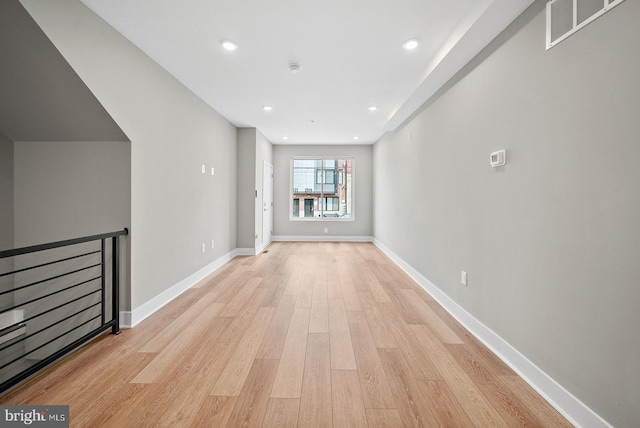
574,410
245,252
251,251
129,319
321,238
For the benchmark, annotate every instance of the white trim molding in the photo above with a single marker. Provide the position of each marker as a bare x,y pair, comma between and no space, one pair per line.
322,238
129,319
574,410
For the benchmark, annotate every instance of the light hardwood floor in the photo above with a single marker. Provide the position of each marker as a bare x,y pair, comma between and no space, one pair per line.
305,334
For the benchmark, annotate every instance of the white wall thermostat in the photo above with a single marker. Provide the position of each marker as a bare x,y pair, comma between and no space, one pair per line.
498,158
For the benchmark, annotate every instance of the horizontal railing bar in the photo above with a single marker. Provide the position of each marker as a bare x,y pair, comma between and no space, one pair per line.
48,343
50,263
60,306
53,357
50,279
58,244
47,327
49,295
11,329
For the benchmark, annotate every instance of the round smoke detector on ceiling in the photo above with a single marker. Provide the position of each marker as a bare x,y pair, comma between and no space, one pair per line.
294,67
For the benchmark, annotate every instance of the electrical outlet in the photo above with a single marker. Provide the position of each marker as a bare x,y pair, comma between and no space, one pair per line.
204,248
463,277
213,244
213,171
204,168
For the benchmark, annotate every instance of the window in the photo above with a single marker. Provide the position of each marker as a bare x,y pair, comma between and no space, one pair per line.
565,17
322,188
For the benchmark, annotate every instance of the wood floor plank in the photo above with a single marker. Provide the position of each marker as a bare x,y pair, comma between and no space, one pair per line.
159,341
193,391
215,412
127,398
342,357
243,295
381,331
305,291
466,392
474,346
420,364
407,394
252,403
288,383
275,285
348,407
384,418
444,405
235,373
271,346
296,264
427,317
175,351
349,293
542,411
315,401
282,413
334,287
319,322
375,389
512,410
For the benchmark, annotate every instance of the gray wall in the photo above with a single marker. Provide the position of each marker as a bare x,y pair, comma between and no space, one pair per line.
246,187
6,216
253,150
363,197
551,240
42,98
6,192
174,207
66,190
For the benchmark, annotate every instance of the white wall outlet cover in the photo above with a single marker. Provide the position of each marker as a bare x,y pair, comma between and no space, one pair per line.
463,277
203,168
213,244
204,248
213,171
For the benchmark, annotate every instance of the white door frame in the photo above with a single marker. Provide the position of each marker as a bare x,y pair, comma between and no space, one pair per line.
267,211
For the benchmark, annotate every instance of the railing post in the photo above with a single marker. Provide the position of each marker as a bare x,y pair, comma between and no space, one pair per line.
115,293
102,281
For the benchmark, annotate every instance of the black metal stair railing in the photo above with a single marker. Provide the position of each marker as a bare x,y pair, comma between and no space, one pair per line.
53,298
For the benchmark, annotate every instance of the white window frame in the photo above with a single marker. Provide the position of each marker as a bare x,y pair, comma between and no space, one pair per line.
322,195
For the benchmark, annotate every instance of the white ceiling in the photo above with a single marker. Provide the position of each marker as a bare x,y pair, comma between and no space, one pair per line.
350,52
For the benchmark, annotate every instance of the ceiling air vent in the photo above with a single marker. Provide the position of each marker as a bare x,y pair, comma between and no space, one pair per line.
565,17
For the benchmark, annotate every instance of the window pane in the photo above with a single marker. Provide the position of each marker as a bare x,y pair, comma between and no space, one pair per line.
296,208
329,176
308,207
322,188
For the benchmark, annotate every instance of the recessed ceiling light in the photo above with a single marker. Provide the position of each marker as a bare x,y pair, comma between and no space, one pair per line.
355,137
285,138
229,45
373,108
410,44
267,108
